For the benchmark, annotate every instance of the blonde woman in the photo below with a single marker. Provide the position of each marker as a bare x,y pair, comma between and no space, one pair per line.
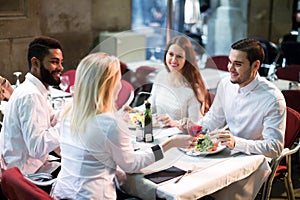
94,141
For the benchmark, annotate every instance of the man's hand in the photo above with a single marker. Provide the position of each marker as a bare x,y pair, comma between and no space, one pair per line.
5,89
225,138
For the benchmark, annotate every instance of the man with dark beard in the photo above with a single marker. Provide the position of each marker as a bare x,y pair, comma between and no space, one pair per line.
29,131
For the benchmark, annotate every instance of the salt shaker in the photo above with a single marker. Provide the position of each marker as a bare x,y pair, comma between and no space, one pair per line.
139,133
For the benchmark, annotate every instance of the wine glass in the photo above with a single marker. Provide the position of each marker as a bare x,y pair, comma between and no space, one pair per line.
64,83
17,74
193,127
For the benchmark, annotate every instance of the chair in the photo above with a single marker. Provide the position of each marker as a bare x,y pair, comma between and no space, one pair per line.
15,186
71,74
273,56
218,62
143,84
289,72
125,95
281,166
292,98
211,97
291,51
123,68
142,73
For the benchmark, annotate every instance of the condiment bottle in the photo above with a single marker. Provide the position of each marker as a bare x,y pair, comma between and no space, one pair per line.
139,135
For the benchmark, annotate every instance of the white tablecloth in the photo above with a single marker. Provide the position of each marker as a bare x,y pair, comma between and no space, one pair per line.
226,175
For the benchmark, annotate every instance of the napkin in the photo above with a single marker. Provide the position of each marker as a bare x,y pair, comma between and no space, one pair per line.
164,175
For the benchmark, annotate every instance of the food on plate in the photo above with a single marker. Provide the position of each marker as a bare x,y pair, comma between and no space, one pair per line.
205,144
135,117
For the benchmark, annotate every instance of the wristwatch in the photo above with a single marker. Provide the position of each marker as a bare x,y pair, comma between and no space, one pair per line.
157,152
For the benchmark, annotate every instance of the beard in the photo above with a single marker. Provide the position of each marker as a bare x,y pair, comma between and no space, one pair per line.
47,76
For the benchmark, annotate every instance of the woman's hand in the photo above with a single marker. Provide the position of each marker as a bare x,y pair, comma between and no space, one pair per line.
167,120
179,141
129,109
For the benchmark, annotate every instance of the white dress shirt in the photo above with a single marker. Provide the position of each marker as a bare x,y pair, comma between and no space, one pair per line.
90,158
28,134
178,100
255,114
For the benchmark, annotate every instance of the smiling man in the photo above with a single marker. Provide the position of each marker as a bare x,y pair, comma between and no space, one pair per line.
29,132
252,107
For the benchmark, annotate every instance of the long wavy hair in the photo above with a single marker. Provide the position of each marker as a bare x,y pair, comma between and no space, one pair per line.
191,71
96,78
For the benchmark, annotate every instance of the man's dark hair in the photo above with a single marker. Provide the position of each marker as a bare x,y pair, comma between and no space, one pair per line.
252,47
40,46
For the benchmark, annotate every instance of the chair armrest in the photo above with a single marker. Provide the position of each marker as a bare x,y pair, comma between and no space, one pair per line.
42,183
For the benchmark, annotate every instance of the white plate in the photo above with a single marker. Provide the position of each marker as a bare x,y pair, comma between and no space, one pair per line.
194,152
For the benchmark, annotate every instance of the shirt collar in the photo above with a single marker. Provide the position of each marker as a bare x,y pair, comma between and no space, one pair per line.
35,81
246,89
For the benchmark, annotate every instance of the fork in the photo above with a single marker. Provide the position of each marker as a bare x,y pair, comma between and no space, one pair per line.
186,173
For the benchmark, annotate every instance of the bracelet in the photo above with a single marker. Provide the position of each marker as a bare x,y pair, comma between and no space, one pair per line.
157,152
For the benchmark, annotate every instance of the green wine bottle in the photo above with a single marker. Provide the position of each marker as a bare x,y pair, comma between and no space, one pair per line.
148,132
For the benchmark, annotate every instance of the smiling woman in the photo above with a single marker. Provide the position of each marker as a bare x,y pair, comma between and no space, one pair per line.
178,91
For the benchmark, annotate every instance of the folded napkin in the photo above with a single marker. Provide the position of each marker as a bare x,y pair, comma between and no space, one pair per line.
164,175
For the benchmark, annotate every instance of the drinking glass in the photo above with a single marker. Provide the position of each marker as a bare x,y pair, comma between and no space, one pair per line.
64,83
193,127
72,90
17,74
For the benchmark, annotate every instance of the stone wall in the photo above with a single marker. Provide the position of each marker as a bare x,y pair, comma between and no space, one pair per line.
75,23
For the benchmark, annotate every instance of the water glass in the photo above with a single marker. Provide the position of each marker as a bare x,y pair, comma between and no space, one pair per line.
64,83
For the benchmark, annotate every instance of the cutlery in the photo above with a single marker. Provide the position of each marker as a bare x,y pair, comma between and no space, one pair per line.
186,173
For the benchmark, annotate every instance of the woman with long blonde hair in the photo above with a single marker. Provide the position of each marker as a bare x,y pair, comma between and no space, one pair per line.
94,141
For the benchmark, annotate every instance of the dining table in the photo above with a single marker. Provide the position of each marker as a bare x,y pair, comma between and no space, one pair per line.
223,174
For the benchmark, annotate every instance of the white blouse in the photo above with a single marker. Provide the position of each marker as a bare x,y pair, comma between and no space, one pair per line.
89,160
171,96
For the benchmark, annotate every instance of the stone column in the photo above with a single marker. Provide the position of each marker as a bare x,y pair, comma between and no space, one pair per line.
228,23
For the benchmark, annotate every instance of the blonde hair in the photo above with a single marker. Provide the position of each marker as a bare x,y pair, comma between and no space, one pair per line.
96,78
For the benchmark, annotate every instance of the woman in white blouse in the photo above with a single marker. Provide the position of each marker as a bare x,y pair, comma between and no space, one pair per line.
94,141
179,91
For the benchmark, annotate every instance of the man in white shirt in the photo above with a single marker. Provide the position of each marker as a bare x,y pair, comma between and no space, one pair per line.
253,108
29,130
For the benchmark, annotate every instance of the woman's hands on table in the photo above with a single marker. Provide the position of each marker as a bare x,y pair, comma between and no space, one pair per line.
166,120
